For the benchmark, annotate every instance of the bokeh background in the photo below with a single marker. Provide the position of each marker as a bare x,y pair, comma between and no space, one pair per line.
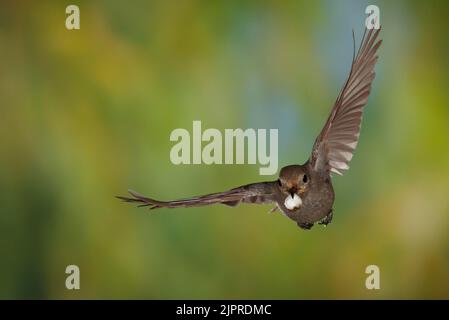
87,114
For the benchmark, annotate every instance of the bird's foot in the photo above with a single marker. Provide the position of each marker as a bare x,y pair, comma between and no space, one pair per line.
327,219
305,225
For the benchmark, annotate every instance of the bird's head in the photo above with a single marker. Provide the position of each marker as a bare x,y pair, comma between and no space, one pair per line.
293,182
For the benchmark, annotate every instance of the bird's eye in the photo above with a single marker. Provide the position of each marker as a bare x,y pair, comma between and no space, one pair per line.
304,178
279,183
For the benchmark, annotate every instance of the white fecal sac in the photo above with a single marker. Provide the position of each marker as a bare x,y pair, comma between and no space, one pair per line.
292,203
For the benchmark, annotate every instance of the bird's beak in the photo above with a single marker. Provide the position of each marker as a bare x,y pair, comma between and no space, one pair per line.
292,192
302,189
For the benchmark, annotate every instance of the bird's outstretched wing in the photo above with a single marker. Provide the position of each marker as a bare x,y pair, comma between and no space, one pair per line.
262,192
333,148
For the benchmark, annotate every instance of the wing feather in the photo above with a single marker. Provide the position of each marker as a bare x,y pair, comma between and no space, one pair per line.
334,146
262,192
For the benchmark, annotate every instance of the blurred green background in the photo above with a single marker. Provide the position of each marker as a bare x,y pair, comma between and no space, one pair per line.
87,114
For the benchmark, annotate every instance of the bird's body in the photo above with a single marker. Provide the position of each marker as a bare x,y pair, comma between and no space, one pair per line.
317,199
304,193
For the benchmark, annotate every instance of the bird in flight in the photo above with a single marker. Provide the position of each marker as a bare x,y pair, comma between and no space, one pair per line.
304,193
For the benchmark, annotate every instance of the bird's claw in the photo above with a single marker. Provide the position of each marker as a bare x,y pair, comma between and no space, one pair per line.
327,219
305,225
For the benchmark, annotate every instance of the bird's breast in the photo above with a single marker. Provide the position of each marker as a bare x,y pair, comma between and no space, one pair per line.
312,206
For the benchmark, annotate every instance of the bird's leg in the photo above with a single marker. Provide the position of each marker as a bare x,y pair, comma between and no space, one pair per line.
305,225
274,209
327,219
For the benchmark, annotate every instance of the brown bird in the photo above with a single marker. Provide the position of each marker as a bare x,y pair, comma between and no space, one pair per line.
304,193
